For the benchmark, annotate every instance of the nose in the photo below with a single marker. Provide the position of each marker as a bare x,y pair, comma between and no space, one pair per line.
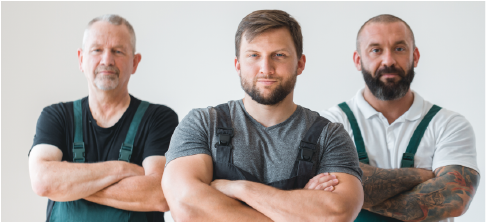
107,58
388,59
267,67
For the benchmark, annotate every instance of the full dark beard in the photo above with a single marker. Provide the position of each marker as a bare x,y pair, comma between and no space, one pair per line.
275,97
388,90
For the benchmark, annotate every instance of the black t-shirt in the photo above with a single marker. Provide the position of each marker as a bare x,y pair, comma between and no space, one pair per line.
55,126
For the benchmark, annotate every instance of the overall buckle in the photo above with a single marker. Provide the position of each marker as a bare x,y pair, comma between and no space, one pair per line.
78,152
224,135
306,151
125,152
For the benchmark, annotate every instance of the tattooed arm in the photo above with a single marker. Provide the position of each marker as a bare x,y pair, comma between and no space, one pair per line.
447,195
382,184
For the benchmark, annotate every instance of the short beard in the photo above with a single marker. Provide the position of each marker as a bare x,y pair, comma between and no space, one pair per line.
389,90
106,83
275,97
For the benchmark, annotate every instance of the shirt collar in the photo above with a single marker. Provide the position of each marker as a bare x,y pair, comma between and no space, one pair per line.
414,113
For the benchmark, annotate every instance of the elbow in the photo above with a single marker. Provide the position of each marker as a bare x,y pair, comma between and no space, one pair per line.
40,189
161,205
347,210
458,211
182,212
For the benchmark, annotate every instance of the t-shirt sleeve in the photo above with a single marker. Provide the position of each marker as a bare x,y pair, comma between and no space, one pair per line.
339,154
456,145
50,127
191,137
163,123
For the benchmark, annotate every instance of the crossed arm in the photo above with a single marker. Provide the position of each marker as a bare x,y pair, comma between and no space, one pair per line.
113,183
448,193
191,196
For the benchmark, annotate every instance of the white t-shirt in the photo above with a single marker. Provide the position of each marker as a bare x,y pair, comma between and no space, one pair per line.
448,140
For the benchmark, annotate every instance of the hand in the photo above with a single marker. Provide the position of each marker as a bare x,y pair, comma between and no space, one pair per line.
323,181
225,186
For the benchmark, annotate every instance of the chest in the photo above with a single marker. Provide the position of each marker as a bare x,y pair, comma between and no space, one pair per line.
385,143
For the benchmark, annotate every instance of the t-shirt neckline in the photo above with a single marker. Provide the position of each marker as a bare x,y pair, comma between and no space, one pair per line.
260,126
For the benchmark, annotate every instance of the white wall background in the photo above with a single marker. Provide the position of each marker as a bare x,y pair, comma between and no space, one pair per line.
187,62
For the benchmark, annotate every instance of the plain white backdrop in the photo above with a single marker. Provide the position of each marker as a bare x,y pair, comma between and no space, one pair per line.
188,62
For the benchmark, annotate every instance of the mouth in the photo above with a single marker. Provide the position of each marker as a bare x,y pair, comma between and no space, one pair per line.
266,82
106,72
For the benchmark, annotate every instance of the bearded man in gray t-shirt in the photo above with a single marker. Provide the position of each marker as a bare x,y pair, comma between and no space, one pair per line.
283,161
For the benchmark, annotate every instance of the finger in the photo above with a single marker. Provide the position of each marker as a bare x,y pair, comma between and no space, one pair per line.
326,178
327,184
330,189
311,184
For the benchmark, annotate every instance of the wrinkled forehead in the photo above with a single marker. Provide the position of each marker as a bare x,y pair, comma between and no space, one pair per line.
104,33
385,33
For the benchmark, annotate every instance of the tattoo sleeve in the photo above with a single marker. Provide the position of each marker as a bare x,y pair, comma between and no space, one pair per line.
382,184
447,195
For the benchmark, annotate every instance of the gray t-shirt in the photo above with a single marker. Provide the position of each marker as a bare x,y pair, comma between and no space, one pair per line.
268,153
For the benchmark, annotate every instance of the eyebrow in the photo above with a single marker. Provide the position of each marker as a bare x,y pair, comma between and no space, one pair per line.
396,43
116,46
282,49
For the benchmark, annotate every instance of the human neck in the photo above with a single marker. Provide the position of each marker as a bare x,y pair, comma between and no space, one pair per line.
391,109
270,115
107,107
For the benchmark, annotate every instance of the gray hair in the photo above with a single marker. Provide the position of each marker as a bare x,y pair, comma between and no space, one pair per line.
114,20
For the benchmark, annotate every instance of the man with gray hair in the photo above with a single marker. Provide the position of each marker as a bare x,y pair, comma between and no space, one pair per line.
101,158
418,159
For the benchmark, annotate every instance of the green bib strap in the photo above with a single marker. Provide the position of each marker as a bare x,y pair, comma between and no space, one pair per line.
408,156
358,139
78,145
127,147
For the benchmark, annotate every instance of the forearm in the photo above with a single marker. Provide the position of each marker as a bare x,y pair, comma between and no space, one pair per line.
65,181
447,195
137,193
382,184
298,205
200,202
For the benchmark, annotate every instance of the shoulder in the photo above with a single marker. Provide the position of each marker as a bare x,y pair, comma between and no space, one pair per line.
162,111
447,122
58,109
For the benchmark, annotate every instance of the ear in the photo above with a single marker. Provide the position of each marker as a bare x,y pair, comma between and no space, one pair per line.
237,66
416,57
136,60
357,60
301,64
80,59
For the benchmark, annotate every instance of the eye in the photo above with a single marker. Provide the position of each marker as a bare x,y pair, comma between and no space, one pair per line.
400,49
375,50
96,50
252,55
279,55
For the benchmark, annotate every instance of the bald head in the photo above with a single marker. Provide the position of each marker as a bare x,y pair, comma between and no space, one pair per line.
384,19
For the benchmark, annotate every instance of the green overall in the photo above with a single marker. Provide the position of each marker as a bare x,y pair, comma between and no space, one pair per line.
85,211
407,158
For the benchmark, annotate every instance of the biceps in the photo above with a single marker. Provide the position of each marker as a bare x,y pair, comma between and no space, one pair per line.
349,188
196,167
45,152
154,165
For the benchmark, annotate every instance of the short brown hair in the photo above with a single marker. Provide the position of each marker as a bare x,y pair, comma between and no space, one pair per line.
384,18
260,21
